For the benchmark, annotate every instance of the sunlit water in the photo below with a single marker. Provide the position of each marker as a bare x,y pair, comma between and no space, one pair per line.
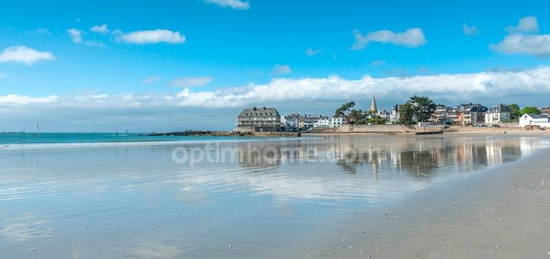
217,199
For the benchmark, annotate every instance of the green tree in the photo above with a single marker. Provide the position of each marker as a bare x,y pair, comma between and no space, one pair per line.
406,114
416,109
515,112
343,111
530,110
356,117
376,120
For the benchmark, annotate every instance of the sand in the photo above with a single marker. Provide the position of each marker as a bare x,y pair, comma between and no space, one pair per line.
500,213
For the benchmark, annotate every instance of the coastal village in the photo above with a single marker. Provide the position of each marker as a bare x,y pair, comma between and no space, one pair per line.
428,114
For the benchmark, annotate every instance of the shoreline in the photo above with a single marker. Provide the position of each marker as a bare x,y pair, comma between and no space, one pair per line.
451,131
501,212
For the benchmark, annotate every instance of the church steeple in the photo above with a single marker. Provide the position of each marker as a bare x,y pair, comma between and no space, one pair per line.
373,107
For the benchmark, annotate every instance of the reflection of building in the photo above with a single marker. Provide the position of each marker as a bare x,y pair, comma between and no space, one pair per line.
419,158
259,119
358,167
534,120
422,158
497,115
259,155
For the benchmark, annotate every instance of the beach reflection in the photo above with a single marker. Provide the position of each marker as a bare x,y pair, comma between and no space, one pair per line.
383,168
136,201
420,157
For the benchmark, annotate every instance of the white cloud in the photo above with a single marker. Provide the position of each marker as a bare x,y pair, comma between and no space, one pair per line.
525,25
537,45
191,81
100,28
281,70
312,52
76,35
411,38
25,55
235,4
18,100
151,79
442,87
152,37
470,30
522,40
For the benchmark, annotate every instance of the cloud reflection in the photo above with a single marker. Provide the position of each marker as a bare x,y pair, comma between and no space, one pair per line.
25,227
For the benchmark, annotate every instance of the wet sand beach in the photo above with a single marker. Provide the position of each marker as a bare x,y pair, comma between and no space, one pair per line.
503,212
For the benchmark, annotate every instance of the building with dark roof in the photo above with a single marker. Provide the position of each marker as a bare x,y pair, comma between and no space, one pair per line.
497,114
259,119
471,114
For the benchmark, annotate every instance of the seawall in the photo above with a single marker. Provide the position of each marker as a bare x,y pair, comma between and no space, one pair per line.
403,129
384,129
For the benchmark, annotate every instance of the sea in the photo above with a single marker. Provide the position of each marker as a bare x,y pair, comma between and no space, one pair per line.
68,138
108,195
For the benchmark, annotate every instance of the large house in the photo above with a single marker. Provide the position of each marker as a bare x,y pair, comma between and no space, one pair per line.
444,115
542,121
471,114
259,119
333,122
545,110
311,120
497,115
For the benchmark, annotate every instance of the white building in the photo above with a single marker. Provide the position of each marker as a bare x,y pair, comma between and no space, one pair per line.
336,122
497,115
310,121
534,120
333,122
394,115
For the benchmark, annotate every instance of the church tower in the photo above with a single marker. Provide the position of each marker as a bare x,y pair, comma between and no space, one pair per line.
373,107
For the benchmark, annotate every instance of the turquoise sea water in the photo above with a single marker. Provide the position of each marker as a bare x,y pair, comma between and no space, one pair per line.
50,138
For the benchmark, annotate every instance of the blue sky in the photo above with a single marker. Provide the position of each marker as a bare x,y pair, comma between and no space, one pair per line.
214,57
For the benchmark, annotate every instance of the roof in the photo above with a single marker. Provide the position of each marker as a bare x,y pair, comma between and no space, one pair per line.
294,116
500,108
473,107
315,117
537,116
259,111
